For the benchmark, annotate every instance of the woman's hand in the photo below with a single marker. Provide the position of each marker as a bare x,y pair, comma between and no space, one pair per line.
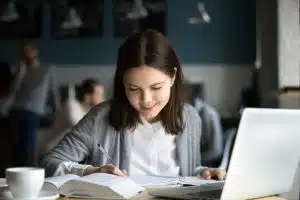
109,169
23,68
213,173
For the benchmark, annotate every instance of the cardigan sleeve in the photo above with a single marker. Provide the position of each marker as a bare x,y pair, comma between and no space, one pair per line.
74,147
197,138
190,145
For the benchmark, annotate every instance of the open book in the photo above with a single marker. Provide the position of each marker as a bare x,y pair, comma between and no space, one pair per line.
107,186
98,185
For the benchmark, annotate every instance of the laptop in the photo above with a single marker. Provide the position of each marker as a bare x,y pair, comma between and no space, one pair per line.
263,163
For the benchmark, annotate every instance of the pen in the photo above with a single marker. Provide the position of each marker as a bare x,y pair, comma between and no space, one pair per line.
109,159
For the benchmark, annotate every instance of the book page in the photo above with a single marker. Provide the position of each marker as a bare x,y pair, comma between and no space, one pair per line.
58,181
101,185
153,180
146,181
195,180
102,179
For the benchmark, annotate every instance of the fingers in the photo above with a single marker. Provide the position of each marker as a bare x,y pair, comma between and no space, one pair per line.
221,174
216,174
23,68
111,169
206,174
125,172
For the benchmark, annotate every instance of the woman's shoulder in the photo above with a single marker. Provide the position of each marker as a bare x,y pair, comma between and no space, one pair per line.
190,115
100,112
102,109
44,68
190,111
96,118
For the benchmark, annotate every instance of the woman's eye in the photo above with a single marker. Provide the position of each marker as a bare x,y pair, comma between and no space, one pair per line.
157,88
133,89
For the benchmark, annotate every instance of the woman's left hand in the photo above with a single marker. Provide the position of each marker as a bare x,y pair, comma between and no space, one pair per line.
213,173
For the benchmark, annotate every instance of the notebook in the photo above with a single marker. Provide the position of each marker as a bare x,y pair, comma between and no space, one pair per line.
98,185
152,181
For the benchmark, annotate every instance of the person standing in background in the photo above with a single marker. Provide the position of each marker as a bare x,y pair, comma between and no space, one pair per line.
6,78
34,83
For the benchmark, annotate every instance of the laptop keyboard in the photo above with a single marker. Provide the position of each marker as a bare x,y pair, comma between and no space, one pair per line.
203,192
206,195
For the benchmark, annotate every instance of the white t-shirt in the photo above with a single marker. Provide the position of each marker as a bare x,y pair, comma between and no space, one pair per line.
153,152
75,111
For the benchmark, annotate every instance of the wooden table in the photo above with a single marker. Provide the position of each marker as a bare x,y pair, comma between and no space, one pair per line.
142,196
145,196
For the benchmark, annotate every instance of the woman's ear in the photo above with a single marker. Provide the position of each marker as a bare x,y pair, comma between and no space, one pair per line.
174,76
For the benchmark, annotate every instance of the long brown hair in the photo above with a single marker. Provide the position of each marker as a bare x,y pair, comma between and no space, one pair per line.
148,48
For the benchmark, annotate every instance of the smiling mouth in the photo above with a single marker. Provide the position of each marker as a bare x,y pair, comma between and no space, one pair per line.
148,108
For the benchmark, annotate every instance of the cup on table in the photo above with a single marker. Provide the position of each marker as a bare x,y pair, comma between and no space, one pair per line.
25,182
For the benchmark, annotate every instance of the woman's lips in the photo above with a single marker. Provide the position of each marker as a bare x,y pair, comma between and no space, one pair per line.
148,108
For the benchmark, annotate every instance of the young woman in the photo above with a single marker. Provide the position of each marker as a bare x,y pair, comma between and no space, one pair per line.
145,129
34,82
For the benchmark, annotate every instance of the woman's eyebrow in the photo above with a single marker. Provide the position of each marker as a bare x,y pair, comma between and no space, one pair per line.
155,84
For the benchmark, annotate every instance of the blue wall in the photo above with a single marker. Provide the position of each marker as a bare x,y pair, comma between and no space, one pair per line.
229,39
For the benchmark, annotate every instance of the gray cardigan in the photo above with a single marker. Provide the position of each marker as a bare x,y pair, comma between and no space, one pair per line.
80,144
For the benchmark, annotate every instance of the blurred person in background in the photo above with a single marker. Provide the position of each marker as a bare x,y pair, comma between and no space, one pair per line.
34,82
88,94
5,102
81,99
212,144
6,78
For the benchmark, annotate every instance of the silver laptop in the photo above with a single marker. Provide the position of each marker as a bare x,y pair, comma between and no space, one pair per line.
264,159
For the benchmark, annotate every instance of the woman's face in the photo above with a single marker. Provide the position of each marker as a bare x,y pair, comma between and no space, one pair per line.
96,97
98,94
148,90
30,52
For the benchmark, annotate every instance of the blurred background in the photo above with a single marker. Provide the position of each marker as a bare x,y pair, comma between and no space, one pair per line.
234,54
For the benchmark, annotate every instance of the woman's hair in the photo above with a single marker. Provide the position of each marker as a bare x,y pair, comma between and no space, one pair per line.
148,48
86,87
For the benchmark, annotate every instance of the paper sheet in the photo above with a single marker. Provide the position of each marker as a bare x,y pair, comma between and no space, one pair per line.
153,180
194,180
165,180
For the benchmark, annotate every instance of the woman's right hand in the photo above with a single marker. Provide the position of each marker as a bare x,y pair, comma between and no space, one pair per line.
109,169
23,68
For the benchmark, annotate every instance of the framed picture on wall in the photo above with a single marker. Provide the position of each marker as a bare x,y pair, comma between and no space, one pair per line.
20,19
77,18
136,15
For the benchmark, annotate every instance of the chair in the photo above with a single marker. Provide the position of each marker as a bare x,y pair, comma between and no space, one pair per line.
229,138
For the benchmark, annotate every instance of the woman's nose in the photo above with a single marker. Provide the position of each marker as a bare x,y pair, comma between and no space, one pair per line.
146,98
